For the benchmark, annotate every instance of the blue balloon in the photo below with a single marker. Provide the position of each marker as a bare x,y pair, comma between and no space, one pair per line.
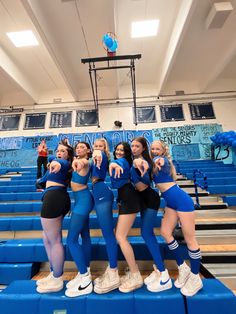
234,144
114,46
230,140
109,42
105,37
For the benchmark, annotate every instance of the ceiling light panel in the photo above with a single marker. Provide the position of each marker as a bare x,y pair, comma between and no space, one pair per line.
23,38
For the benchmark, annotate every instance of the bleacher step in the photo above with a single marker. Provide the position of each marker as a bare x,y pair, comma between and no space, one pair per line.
213,298
17,271
32,250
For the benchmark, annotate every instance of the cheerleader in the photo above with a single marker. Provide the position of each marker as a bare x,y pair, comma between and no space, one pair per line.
141,175
79,223
56,204
179,207
103,200
129,206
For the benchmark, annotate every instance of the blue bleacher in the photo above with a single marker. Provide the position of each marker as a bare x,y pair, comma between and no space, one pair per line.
33,222
221,178
230,199
139,301
32,250
17,271
34,207
20,259
214,298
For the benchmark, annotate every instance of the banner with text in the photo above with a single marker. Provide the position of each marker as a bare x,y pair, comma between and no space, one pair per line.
22,152
188,141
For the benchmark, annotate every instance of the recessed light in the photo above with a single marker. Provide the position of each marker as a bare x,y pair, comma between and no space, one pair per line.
23,38
144,28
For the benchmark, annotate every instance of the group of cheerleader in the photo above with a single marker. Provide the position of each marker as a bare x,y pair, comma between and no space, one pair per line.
134,171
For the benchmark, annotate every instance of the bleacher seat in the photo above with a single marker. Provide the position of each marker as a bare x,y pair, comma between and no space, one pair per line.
214,298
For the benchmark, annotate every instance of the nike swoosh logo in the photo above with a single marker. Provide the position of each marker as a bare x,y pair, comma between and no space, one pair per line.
163,283
82,288
101,198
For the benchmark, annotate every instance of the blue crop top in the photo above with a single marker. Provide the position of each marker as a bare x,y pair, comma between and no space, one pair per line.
136,176
61,175
100,173
163,175
124,177
77,178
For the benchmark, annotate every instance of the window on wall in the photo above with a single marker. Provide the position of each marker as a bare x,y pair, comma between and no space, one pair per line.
61,119
86,117
146,114
172,113
201,111
35,121
9,122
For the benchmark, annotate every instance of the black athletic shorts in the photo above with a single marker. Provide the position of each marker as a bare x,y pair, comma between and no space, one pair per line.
56,203
129,200
150,198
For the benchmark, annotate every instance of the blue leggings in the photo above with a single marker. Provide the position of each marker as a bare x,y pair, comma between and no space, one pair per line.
103,199
81,252
148,219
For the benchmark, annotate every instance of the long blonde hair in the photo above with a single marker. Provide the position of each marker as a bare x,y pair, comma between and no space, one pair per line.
106,150
166,153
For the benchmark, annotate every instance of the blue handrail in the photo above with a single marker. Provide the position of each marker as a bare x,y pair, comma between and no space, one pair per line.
199,173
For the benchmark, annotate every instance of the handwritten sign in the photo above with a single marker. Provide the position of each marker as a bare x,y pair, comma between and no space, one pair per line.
187,135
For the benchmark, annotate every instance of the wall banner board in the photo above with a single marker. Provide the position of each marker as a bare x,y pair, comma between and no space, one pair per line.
185,142
188,141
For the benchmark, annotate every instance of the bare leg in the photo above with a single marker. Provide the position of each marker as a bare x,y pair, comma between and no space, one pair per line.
187,220
123,227
168,224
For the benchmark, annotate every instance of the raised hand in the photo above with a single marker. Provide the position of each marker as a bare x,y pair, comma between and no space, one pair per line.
142,165
77,165
54,167
97,158
159,162
118,170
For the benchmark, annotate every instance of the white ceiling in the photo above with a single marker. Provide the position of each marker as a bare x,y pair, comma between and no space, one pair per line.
185,56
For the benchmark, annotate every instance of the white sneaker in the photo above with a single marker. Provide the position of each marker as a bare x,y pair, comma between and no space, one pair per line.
85,286
192,286
184,273
133,282
101,278
52,285
76,280
73,282
125,276
161,283
109,281
153,276
44,280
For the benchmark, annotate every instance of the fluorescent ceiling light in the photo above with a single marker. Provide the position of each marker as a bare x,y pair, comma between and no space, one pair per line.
23,38
144,28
